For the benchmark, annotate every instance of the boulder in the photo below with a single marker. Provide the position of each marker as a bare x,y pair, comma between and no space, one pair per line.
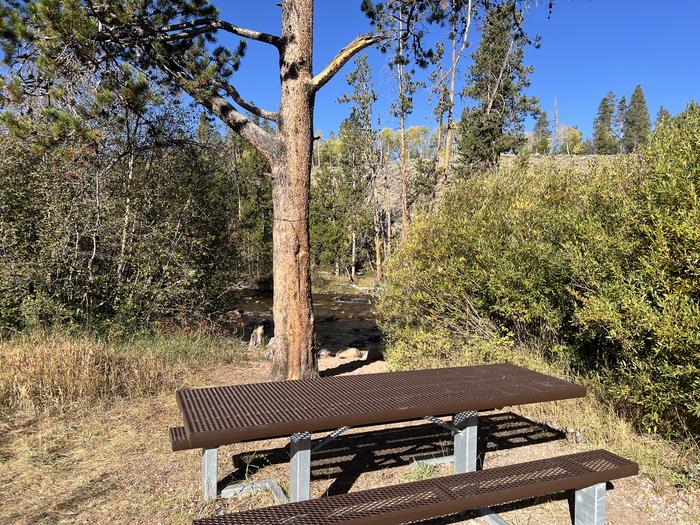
349,353
323,353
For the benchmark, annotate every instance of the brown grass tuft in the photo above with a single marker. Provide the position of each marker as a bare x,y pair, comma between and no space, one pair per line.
57,371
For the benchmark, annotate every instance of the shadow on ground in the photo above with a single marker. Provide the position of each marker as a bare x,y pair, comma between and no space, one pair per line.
347,457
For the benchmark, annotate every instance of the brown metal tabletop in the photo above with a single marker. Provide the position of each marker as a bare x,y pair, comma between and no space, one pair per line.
230,414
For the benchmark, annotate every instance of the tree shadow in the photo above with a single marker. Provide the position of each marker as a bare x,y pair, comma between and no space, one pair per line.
348,456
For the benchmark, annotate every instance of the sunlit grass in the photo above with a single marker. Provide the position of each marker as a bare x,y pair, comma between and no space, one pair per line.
55,371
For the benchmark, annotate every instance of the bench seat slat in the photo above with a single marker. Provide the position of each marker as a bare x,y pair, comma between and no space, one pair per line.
178,438
442,496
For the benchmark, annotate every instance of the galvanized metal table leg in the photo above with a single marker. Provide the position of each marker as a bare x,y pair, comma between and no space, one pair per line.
589,505
465,441
210,457
487,516
300,467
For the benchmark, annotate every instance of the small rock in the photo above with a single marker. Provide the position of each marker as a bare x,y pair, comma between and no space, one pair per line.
256,338
349,353
323,353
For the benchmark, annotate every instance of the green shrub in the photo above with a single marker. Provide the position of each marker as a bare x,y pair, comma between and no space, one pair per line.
602,261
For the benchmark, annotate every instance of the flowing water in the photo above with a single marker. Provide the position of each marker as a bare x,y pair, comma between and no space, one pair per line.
342,320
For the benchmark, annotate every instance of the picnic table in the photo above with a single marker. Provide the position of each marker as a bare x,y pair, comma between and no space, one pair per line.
224,415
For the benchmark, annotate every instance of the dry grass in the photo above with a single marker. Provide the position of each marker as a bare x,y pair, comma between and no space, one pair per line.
327,282
109,461
39,373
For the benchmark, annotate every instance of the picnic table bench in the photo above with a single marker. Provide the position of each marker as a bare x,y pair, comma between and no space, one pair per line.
224,415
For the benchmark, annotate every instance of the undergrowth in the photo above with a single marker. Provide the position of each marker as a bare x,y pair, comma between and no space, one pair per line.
44,372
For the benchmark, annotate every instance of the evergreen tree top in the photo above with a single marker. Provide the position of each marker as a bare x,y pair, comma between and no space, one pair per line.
637,121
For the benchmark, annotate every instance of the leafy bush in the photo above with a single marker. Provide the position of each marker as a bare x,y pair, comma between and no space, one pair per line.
604,261
117,235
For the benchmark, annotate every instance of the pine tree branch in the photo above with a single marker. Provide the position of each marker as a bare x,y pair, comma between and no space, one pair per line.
248,106
345,54
264,141
200,26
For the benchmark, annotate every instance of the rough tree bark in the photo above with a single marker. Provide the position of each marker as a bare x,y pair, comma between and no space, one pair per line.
293,355
289,151
293,351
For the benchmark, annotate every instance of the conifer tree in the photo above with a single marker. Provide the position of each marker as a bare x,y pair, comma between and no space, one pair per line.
360,159
662,116
604,142
619,121
637,122
497,80
542,135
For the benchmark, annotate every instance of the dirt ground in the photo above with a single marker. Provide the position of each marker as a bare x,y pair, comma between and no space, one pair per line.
113,464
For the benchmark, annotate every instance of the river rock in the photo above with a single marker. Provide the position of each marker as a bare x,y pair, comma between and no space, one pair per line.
256,338
323,353
349,353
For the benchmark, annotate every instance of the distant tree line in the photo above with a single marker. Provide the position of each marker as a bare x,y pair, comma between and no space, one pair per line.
618,127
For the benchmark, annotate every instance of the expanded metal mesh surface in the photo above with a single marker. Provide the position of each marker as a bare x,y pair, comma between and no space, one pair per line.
223,415
446,495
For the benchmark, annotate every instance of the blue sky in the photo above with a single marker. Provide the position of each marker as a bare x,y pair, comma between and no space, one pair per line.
588,48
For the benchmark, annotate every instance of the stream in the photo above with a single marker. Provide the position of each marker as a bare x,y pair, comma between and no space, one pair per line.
342,320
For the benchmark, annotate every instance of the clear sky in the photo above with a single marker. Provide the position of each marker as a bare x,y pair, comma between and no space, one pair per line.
589,47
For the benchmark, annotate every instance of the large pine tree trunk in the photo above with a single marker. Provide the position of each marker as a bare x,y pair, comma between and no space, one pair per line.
293,349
